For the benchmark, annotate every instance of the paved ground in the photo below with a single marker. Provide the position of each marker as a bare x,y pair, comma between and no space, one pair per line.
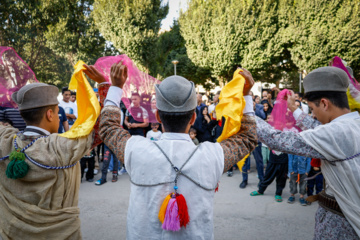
237,215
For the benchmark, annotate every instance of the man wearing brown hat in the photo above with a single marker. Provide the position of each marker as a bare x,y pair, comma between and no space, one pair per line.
174,163
42,202
334,138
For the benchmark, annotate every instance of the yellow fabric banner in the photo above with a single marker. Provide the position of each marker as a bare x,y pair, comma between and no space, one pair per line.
87,104
231,107
353,104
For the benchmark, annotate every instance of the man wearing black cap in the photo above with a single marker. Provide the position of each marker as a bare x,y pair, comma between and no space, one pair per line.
336,142
148,163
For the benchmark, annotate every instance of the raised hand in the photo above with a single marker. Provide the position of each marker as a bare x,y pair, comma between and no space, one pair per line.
118,74
249,81
94,74
291,101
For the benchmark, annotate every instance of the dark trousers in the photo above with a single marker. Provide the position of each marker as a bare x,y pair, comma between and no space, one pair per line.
100,147
317,182
278,171
259,164
90,162
107,157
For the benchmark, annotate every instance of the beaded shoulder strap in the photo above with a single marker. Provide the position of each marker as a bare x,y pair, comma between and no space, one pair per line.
18,168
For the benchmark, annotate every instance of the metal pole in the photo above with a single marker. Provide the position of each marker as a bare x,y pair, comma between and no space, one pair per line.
300,82
175,62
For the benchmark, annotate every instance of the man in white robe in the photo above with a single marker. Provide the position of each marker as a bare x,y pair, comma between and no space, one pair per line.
151,174
336,142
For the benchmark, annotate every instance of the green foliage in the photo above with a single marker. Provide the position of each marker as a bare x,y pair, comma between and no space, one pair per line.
22,26
75,36
319,30
171,46
52,35
274,39
132,26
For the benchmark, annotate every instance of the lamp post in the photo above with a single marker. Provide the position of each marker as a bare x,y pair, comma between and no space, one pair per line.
175,62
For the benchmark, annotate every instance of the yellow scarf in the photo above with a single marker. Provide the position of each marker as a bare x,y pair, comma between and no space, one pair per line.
231,107
87,104
353,104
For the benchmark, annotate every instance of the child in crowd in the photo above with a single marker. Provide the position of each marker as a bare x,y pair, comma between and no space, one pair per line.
276,168
154,134
89,160
299,168
317,182
192,134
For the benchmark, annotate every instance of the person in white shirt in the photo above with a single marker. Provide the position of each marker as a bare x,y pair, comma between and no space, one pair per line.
69,107
154,134
174,163
215,102
333,138
304,106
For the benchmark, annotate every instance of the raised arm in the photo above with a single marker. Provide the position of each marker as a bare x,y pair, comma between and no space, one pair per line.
241,144
287,142
111,131
244,142
304,121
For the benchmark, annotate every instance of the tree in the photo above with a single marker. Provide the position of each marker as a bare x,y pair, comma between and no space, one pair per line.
319,30
224,34
22,26
171,46
132,26
75,36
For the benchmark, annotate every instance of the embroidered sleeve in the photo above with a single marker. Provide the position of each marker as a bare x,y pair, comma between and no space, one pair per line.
287,142
111,131
103,90
306,122
239,145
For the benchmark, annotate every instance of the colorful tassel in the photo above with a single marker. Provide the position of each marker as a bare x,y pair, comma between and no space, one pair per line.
171,221
183,210
163,208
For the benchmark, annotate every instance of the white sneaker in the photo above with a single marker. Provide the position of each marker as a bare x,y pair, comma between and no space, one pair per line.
122,171
96,171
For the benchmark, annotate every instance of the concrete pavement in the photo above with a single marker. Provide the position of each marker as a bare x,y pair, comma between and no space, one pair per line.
237,215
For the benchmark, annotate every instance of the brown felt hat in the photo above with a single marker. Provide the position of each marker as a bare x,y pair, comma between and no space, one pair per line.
35,95
326,79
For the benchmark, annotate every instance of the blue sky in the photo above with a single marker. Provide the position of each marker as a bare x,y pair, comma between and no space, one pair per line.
174,12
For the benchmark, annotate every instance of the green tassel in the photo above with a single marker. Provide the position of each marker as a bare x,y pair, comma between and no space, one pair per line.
17,168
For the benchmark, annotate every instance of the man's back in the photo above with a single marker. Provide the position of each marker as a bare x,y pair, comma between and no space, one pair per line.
46,198
146,164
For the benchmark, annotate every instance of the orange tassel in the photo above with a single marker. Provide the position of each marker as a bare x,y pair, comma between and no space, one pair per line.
298,180
163,208
183,210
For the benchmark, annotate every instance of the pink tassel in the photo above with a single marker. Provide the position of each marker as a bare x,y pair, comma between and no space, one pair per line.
172,222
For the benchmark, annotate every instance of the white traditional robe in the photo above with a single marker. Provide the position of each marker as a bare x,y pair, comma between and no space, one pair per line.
146,164
340,140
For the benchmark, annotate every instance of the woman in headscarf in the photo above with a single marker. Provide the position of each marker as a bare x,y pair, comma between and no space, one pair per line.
204,125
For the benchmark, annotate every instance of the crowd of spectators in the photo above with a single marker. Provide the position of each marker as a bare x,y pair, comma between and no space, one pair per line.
139,119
